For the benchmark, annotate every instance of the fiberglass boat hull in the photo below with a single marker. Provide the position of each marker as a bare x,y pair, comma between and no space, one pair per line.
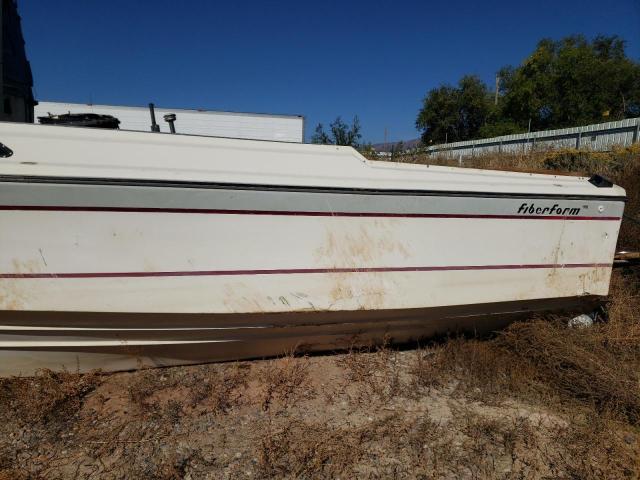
117,273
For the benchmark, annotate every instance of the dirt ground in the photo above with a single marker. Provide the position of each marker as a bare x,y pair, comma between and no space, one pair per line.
538,400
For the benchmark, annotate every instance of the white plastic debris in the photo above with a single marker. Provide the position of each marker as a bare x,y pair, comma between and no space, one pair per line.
581,321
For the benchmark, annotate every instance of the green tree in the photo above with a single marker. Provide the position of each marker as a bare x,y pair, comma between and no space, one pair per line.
341,133
320,136
563,83
571,82
454,113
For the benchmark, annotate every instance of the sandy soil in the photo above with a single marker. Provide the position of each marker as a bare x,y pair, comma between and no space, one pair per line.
361,414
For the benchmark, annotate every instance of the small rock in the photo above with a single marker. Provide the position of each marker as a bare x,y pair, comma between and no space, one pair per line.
581,321
629,439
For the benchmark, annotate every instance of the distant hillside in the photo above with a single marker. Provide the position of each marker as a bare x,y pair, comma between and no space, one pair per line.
386,147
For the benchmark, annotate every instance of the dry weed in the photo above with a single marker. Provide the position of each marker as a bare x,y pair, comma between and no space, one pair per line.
213,388
285,381
430,368
622,328
303,450
472,368
374,371
142,387
221,389
543,358
473,444
597,448
45,397
578,364
13,474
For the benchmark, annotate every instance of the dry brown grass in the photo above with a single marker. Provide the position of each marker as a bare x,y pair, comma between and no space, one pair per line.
143,388
578,365
564,435
598,448
156,391
471,445
543,361
304,450
221,390
14,474
474,368
622,330
377,372
46,396
285,382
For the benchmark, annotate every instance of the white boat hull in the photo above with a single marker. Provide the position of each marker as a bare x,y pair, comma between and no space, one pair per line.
114,274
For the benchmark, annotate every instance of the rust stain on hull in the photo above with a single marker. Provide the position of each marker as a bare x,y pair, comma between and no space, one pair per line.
13,294
368,245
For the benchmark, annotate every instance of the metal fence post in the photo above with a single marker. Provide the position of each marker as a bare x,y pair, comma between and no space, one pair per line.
578,139
636,132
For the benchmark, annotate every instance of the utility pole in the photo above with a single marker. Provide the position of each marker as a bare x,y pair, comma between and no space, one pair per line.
497,89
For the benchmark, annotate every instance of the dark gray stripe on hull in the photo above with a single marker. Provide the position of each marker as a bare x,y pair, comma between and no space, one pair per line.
127,198
291,188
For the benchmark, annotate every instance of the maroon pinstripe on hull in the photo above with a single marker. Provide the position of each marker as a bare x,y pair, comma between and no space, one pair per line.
296,213
290,271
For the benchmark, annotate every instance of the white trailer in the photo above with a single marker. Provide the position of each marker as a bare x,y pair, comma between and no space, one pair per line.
255,126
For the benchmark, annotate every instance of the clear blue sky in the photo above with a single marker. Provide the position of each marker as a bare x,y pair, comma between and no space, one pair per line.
318,59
